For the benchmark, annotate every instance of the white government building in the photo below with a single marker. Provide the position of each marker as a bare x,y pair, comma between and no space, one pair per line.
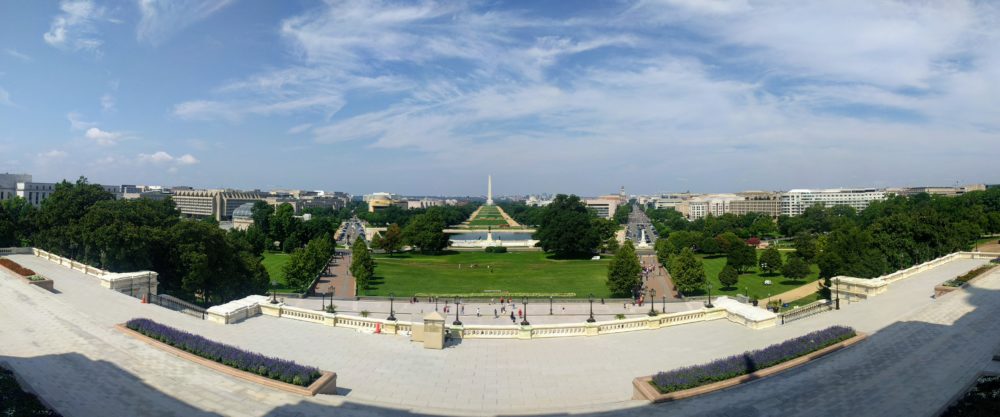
794,202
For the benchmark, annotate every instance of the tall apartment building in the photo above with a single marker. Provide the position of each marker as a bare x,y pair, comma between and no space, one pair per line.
762,202
794,202
942,191
218,204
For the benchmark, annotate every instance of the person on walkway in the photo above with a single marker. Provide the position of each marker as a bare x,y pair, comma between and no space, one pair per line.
512,319
477,312
463,308
518,313
495,315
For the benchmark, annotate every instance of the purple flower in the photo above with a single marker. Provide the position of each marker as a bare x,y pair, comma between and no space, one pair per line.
274,368
748,362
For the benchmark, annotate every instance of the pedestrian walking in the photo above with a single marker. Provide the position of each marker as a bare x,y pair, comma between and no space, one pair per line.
495,315
512,319
463,308
518,313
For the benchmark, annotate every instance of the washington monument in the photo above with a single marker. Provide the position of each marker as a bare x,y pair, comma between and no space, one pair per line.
489,190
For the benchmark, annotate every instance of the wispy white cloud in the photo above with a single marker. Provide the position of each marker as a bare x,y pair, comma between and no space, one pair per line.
74,28
108,103
738,81
76,121
14,53
164,158
103,137
5,98
53,154
162,18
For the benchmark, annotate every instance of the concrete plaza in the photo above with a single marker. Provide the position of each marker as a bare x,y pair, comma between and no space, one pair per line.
922,352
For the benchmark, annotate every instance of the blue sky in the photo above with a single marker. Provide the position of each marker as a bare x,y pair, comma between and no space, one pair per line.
425,97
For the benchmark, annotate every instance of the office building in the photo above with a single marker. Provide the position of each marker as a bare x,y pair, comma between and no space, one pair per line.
217,204
762,202
794,202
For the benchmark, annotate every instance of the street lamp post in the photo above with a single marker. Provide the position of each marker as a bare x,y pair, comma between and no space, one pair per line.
709,305
435,303
274,295
652,302
836,287
457,322
392,311
591,319
664,305
550,305
525,321
322,301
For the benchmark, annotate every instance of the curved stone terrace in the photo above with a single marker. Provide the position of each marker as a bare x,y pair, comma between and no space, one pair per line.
922,352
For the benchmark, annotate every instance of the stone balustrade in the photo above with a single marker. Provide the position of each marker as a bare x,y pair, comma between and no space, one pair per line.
239,310
140,282
856,289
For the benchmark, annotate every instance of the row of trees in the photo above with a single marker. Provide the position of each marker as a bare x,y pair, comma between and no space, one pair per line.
304,264
669,221
195,259
279,226
362,265
450,215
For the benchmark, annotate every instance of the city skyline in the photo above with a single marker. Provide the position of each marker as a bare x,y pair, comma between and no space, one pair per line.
368,96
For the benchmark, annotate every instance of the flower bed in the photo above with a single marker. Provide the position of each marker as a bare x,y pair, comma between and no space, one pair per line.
968,276
278,369
749,362
16,267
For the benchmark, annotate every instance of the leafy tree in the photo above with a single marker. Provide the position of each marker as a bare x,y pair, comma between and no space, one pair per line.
393,239
57,221
742,257
763,226
678,241
770,260
622,213
805,246
709,245
728,241
662,248
16,222
362,265
729,277
567,228
796,268
262,212
377,241
623,271
852,252
687,271
426,233
257,239
611,245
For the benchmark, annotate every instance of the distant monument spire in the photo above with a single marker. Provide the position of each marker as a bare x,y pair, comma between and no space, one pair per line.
489,190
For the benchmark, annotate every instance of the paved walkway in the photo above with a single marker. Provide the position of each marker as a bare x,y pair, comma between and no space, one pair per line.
659,279
924,351
337,280
795,293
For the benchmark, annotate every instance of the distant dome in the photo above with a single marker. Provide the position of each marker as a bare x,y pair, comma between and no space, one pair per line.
243,212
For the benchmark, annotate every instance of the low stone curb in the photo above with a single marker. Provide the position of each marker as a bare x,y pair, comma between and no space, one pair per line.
643,389
942,290
325,384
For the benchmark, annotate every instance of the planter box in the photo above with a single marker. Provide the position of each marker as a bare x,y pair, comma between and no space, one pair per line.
46,283
325,384
643,388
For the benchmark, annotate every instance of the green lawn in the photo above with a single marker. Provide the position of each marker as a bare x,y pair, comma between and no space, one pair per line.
274,262
488,216
753,281
515,272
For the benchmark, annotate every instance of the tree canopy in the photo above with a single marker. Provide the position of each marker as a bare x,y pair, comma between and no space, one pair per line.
567,229
623,271
687,271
